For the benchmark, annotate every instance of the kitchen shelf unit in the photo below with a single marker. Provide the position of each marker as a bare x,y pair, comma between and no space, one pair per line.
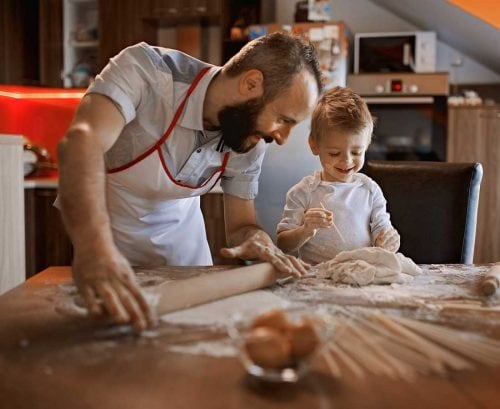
80,42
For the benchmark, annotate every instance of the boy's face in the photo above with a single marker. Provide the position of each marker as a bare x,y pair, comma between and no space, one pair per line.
341,154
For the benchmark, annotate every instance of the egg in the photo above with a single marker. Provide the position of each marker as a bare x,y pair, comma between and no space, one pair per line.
268,347
275,318
303,338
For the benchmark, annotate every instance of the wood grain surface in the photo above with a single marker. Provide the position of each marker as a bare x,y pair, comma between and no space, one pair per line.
49,360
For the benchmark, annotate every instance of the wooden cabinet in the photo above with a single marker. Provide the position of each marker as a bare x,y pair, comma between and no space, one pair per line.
19,41
51,43
32,35
123,23
212,207
474,136
47,243
126,22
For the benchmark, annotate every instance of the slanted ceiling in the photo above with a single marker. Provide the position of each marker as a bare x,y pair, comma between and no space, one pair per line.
467,32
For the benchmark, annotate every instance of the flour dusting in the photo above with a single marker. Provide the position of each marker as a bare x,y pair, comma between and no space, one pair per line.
201,330
218,313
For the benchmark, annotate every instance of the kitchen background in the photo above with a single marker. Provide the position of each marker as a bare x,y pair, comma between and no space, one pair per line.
64,43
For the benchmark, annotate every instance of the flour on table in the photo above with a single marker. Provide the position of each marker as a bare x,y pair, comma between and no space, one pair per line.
218,313
201,330
369,265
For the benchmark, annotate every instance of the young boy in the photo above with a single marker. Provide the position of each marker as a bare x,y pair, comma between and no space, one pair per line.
337,208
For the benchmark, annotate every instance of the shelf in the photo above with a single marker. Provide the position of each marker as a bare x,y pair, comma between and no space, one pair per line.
84,44
81,42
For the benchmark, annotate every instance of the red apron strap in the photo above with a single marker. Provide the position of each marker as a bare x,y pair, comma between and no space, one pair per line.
222,168
167,133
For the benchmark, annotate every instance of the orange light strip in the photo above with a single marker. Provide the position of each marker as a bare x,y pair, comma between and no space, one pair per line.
486,10
43,95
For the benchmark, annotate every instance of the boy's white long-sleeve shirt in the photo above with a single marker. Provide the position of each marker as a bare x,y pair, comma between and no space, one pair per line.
359,212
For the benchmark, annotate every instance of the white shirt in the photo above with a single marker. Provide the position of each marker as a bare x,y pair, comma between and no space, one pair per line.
359,212
147,84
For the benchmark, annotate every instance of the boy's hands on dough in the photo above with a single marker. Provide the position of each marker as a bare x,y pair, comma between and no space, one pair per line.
107,283
259,246
317,218
388,239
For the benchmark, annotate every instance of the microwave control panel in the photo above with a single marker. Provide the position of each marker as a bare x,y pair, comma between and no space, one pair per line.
393,84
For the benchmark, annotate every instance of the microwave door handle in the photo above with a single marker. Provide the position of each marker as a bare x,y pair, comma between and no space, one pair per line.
408,57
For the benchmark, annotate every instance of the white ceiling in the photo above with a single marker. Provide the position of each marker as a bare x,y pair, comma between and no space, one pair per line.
462,31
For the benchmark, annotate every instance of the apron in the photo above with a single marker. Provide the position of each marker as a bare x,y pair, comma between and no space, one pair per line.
155,219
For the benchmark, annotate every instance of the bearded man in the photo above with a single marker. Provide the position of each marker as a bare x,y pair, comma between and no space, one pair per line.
157,129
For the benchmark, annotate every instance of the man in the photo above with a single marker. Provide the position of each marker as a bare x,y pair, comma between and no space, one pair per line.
156,130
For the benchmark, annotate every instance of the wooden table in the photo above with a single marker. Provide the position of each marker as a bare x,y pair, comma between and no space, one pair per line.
49,360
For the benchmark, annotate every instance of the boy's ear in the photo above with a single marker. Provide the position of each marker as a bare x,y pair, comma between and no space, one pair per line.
313,146
251,83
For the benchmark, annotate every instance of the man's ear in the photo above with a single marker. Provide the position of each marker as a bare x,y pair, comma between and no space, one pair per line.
313,146
251,83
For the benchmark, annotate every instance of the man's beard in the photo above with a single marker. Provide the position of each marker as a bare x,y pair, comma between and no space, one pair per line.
238,122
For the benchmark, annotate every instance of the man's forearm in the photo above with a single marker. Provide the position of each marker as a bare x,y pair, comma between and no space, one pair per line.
82,190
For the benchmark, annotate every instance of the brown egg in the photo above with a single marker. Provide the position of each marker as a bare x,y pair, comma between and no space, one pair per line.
268,347
275,318
303,338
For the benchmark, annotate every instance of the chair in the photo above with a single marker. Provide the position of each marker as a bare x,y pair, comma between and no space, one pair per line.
433,205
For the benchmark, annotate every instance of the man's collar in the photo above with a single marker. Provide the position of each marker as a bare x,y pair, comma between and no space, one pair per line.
192,117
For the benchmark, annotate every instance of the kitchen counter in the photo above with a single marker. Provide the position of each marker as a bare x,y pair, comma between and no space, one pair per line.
41,182
52,182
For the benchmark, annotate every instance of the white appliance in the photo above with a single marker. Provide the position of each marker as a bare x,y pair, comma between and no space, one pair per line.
413,51
411,111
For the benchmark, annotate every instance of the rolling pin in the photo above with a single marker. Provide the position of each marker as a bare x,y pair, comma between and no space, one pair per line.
206,287
491,280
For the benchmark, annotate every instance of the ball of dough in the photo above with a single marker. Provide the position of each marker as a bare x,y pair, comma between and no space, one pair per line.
303,339
268,347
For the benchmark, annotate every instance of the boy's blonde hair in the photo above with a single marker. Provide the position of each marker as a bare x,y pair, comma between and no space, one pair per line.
340,109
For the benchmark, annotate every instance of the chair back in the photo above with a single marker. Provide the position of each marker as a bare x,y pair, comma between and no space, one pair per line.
433,205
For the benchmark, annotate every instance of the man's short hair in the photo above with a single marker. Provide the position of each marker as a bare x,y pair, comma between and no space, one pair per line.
279,56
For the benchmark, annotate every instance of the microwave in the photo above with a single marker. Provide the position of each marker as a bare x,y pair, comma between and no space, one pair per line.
413,51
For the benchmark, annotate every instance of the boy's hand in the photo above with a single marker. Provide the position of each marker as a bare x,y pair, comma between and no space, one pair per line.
317,218
389,240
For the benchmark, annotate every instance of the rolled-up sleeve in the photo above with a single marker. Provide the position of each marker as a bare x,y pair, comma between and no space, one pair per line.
241,176
296,204
380,219
124,79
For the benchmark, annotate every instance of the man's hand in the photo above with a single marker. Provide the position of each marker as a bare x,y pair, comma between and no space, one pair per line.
260,246
107,284
388,239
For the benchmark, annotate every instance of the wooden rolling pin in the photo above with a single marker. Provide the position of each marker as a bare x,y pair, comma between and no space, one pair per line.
491,280
206,287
